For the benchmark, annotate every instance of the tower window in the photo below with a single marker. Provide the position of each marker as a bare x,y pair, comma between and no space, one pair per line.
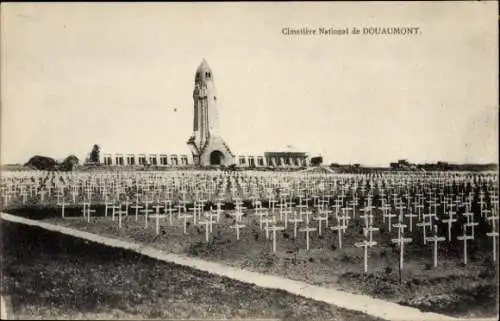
215,98
207,75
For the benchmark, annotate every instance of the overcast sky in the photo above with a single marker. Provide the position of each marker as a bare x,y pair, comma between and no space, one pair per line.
121,75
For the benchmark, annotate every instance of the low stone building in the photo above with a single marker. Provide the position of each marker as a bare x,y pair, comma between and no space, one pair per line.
146,159
279,159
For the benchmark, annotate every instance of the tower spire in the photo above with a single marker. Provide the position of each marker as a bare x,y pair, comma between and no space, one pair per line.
205,139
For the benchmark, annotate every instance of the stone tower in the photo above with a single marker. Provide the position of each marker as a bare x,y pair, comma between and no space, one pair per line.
207,146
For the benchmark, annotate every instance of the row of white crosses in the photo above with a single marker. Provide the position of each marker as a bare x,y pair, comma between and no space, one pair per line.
158,180
435,238
343,188
89,191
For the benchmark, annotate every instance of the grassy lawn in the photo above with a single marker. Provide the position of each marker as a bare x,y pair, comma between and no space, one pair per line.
53,276
452,288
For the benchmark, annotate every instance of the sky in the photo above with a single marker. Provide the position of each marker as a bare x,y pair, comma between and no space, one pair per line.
121,75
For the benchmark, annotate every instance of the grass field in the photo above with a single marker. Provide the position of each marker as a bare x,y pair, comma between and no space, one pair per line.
52,276
452,288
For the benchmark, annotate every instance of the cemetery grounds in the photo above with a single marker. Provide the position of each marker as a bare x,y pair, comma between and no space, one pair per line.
427,240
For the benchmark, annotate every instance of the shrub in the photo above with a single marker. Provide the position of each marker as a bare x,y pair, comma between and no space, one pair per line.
43,163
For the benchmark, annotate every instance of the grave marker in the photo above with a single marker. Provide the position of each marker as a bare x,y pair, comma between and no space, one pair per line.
365,244
307,229
435,238
464,238
400,241
274,229
493,234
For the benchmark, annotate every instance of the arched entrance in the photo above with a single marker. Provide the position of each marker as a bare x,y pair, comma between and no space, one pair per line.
216,158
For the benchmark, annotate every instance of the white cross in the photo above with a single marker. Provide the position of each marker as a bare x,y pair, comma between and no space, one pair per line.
285,213
137,207
42,194
157,215
296,219
389,222
385,208
119,211
195,209
450,220
435,239
107,206
89,211
272,203
424,224
400,227
307,229
180,207
320,219
261,213
366,216
401,208
185,216
170,211
61,203
237,226
208,227
84,209
369,231
146,212
275,228
337,207
339,228
365,244
24,194
114,208
470,221
419,207
210,217
266,221
464,238
410,216
354,203
345,211
493,234
400,241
